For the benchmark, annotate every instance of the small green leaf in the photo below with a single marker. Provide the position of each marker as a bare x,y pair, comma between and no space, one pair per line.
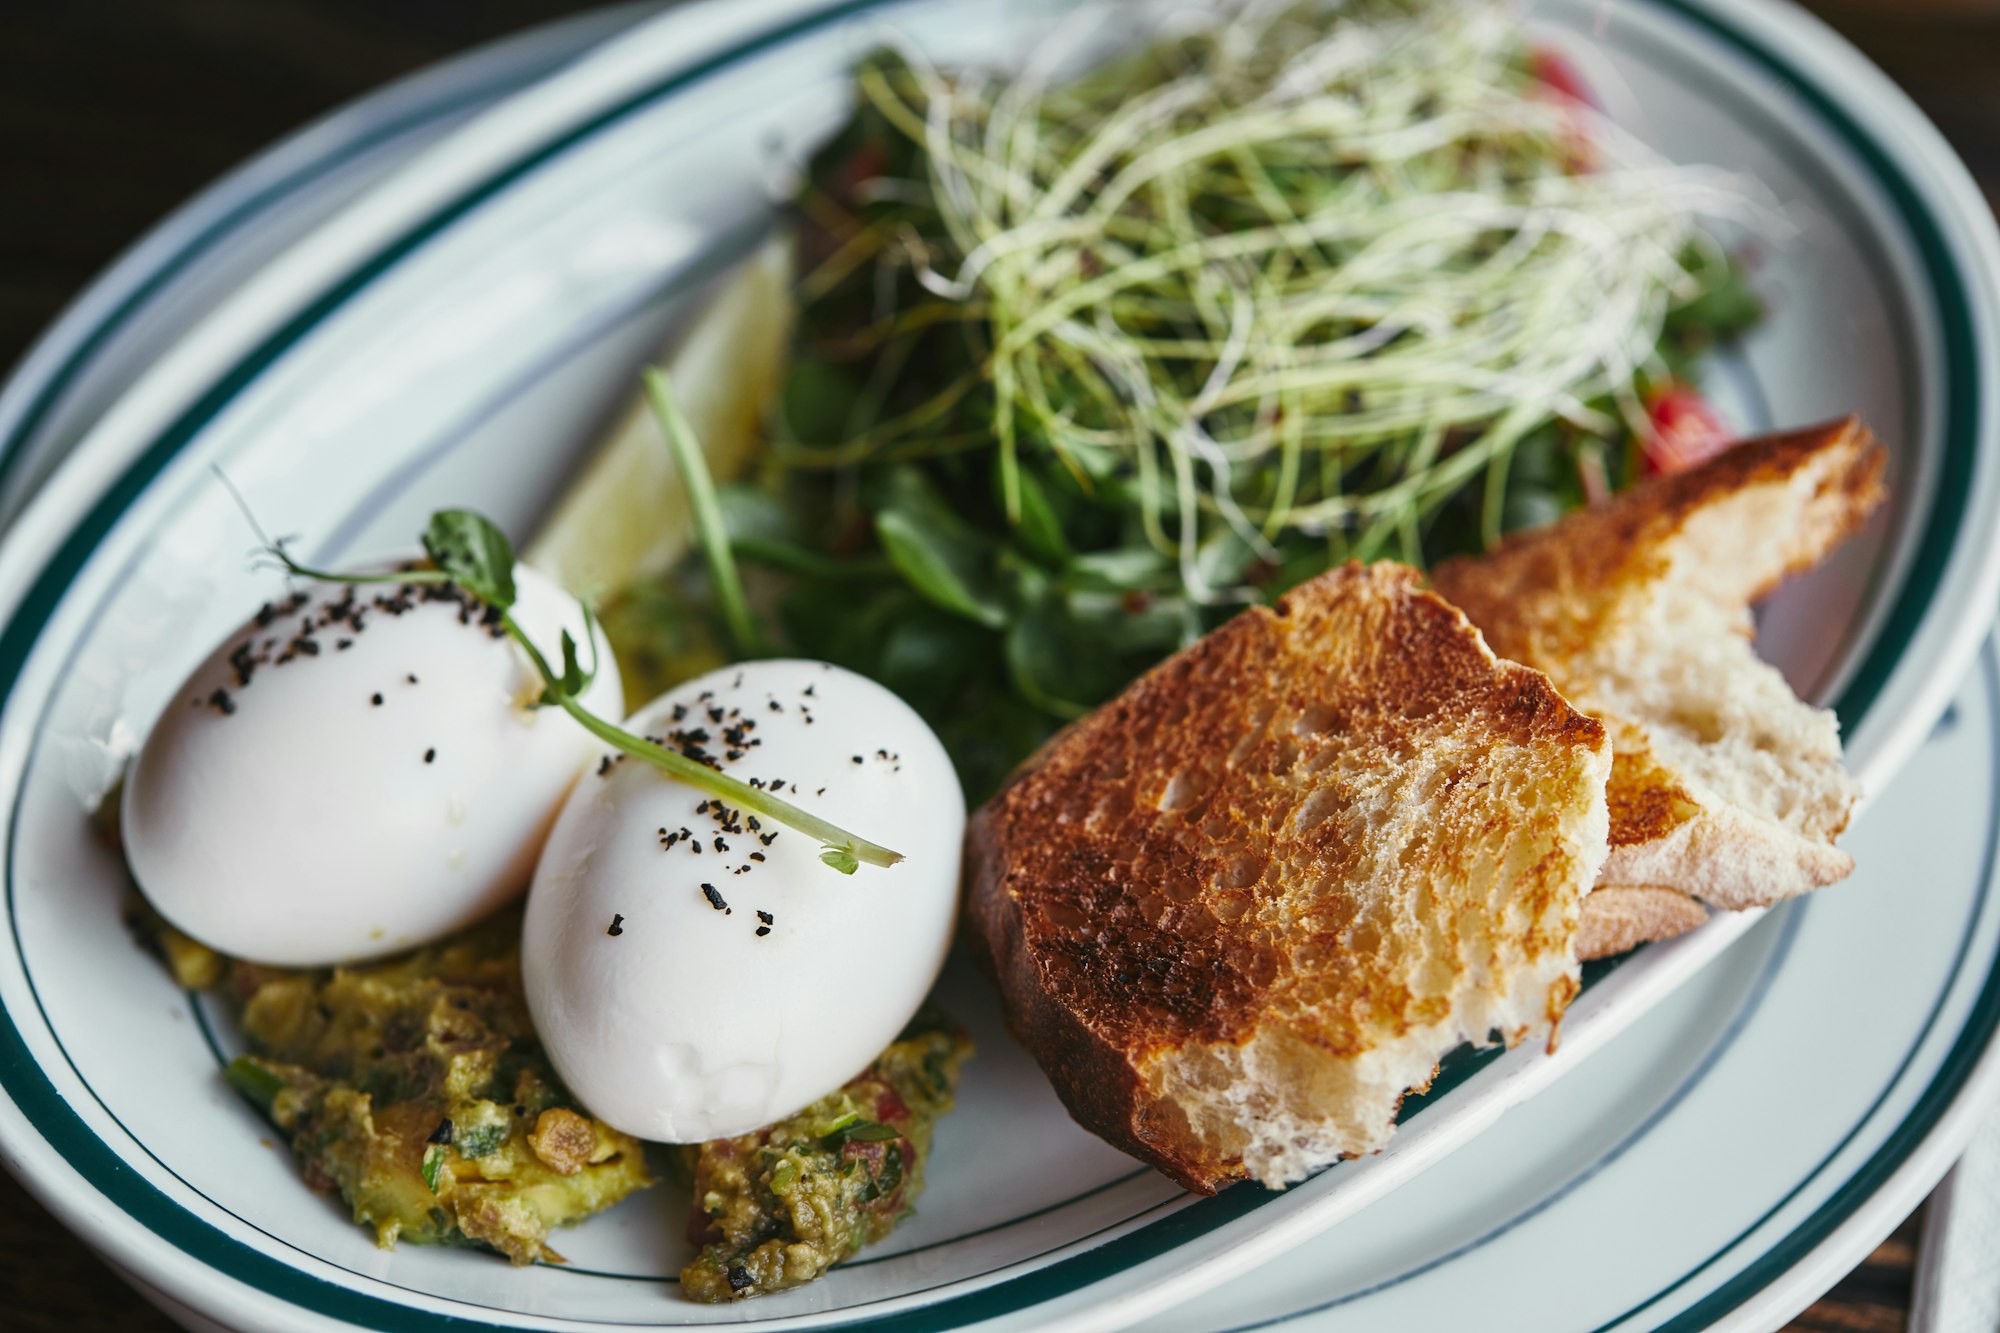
473,553
433,1166
1039,529
954,573
841,859
1124,567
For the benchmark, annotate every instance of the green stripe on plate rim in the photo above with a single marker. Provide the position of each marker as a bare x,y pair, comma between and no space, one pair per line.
44,1107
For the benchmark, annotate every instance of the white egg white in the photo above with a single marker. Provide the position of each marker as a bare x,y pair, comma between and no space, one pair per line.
318,792
678,1019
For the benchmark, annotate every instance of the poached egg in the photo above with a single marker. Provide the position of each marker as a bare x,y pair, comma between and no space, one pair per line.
356,771
696,971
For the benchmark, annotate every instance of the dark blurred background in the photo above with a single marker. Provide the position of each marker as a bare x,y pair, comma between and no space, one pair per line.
112,112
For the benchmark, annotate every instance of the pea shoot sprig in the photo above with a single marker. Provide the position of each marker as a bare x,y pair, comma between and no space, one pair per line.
468,552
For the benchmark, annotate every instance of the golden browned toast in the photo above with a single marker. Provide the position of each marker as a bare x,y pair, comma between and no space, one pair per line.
1725,786
1241,910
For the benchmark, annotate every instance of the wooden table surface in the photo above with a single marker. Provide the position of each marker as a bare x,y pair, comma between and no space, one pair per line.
113,112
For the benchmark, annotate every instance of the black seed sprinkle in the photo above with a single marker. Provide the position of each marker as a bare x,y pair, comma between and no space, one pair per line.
768,838
857,758
766,918
221,702
343,644
763,930
720,845
715,899
442,1134
375,699
617,926
756,856
430,755
411,678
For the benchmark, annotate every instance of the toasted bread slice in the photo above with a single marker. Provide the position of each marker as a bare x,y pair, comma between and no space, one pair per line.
1618,918
1239,911
1725,785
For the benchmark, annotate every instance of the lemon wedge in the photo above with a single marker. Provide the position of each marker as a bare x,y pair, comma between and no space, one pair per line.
625,516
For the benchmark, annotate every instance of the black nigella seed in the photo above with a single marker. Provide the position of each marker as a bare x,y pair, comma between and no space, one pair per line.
857,758
763,930
715,898
430,756
617,926
765,917
375,699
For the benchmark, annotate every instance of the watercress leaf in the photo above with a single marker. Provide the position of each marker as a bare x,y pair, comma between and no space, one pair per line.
816,402
841,859
1036,653
1149,625
1039,530
1224,559
1122,568
753,512
474,554
944,566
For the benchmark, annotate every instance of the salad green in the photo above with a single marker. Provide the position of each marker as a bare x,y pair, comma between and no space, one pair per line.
1085,364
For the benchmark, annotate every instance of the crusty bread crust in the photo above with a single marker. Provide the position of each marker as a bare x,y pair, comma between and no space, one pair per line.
1724,786
1620,917
1240,910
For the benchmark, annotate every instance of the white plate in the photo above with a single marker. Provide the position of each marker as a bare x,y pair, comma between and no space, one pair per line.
451,338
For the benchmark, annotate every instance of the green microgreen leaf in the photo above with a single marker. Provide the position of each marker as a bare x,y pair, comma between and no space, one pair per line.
942,557
433,1166
841,859
473,553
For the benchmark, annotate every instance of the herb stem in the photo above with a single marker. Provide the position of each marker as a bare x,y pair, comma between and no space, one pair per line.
756,800
710,530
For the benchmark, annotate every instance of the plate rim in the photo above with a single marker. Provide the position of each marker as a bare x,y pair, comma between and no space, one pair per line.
134,479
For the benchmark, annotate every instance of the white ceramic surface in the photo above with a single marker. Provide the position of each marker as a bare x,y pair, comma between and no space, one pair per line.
452,338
